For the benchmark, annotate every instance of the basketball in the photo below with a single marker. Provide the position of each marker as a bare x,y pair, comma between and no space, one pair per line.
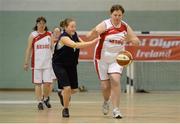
124,58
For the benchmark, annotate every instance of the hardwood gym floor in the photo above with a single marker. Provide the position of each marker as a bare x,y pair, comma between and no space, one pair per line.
154,107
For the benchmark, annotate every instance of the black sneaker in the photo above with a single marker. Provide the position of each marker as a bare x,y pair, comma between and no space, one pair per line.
65,113
47,102
61,98
40,106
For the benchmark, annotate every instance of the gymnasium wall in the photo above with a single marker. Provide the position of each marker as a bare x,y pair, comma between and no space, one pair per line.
157,76
17,21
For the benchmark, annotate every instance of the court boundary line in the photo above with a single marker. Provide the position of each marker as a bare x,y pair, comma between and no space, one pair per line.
34,102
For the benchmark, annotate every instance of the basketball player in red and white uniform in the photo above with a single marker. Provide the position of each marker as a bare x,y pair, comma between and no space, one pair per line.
39,49
114,34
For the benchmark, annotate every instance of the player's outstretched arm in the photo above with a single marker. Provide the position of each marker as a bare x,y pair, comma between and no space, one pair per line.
68,42
96,31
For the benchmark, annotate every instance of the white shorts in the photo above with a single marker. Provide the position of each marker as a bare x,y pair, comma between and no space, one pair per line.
42,76
104,69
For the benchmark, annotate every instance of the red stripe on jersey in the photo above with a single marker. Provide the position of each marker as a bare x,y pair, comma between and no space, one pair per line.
32,75
33,57
97,69
114,30
35,39
109,31
40,36
99,47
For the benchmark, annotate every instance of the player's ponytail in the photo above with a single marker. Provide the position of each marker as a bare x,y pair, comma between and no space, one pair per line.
65,22
62,24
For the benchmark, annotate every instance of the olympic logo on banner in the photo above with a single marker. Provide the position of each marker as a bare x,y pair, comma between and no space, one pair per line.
150,48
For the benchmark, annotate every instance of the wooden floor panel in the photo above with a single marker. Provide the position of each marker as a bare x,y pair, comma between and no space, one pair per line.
154,107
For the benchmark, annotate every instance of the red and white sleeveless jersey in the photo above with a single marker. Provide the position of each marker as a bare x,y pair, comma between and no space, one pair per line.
41,50
111,42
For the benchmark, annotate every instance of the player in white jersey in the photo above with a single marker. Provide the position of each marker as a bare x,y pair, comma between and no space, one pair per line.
39,49
114,34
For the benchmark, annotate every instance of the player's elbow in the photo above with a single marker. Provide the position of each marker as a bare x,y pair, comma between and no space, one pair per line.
92,34
89,35
74,45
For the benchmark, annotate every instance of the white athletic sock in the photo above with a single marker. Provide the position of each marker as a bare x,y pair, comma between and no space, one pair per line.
116,109
45,98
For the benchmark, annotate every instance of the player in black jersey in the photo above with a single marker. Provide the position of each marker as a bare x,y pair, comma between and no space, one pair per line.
65,60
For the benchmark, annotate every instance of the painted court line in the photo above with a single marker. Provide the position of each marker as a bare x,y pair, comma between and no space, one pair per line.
34,102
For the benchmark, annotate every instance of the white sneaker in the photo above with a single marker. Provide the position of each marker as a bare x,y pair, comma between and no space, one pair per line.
105,107
117,114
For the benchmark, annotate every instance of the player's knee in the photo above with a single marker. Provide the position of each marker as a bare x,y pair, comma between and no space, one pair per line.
38,85
67,89
115,83
47,84
105,87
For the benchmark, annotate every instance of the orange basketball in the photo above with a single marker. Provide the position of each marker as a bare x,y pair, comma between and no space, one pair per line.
124,58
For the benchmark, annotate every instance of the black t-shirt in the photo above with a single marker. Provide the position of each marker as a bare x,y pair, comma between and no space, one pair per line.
66,55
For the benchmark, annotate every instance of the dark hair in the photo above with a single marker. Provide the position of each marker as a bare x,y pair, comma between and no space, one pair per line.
65,22
117,7
41,18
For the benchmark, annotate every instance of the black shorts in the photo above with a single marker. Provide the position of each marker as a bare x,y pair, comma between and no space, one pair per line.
66,75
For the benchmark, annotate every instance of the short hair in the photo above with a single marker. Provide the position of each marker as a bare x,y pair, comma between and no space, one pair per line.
117,7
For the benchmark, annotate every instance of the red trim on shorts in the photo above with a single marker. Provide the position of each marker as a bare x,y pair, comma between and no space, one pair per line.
33,81
38,83
32,75
105,80
33,57
47,82
97,70
115,73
